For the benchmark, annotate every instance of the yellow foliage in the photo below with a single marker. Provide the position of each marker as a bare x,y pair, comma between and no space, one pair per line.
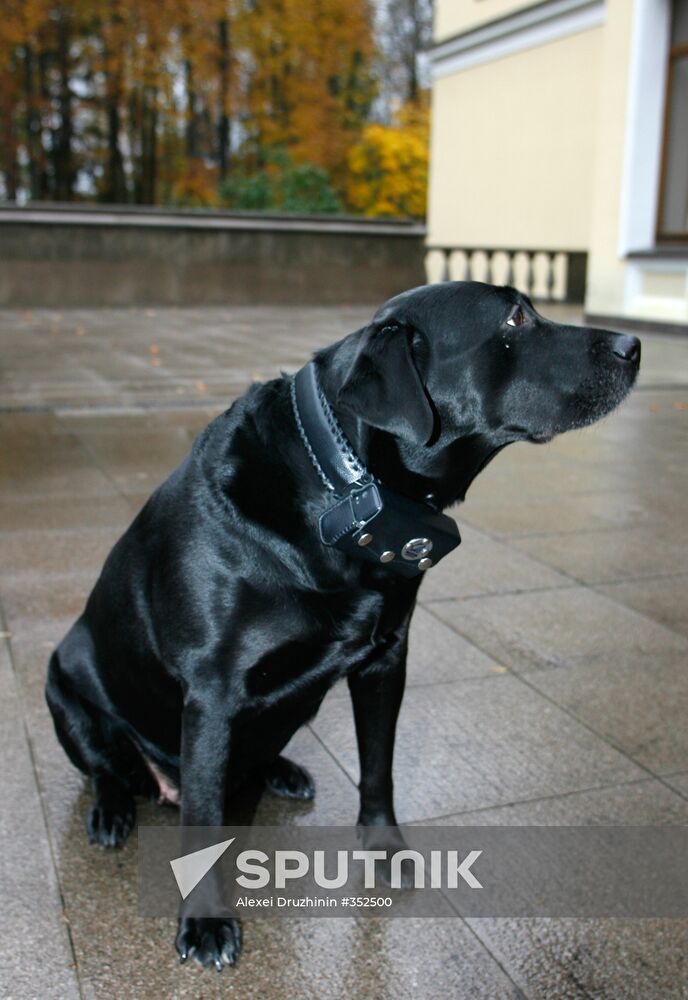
388,167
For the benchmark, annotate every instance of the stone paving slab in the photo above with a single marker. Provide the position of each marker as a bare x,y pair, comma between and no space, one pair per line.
132,356
554,630
679,782
485,566
626,703
664,599
479,743
38,959
629,959
546,674
580,959
606,556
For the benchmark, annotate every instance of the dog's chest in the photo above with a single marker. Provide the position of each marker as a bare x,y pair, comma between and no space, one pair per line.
322,639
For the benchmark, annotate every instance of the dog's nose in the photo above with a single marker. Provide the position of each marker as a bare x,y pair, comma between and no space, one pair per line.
627,348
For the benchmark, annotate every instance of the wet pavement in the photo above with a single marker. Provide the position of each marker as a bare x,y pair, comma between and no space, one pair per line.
547,678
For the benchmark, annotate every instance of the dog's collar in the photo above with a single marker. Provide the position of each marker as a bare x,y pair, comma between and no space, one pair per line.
334,459
365,519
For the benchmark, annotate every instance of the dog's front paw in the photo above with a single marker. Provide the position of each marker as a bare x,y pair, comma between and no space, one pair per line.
209,940
289,780
112,815
402,876
390,840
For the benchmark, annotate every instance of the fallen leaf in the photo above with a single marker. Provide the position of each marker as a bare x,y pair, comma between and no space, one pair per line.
156,362
201,387
680,406
154,349
654,408
499,670
80,331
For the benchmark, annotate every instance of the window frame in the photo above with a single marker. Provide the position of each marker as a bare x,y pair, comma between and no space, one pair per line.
676,51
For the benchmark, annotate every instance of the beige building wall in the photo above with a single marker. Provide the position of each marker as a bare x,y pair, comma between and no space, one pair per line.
547,124
513,146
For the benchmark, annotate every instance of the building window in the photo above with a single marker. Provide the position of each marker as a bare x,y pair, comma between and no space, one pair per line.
672,223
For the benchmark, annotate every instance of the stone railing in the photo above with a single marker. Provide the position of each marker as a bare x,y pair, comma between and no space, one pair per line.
545,275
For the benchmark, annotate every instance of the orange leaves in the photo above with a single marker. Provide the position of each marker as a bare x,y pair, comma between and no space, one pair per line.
308,82
188,101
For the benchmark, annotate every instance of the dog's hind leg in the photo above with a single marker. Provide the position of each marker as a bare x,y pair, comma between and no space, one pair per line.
289,780
93,743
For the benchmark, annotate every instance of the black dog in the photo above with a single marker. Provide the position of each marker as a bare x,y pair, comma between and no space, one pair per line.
221,619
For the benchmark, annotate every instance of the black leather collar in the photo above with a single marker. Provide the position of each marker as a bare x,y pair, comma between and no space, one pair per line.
365,519
333,457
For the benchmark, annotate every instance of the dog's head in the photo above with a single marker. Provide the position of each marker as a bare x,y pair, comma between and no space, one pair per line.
441,361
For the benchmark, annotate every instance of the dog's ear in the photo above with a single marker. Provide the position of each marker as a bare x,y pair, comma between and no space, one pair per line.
383,386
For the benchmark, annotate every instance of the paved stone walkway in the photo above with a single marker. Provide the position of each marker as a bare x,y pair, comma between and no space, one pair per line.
548,670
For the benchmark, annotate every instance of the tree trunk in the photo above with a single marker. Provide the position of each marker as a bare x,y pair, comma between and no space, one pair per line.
33,127
149,165
47,180
192,150
223,117
9,142
414,49
64,171
116,184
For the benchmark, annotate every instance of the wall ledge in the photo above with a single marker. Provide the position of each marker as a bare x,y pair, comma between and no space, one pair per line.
545,22
129,215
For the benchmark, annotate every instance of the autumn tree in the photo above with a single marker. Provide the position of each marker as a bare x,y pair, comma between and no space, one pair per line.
185,101
388,167
307,82
36,69
111,41
15,29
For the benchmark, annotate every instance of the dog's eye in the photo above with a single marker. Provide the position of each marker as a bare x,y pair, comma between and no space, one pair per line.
517,318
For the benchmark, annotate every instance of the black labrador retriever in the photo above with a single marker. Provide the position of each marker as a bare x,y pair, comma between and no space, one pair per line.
221,617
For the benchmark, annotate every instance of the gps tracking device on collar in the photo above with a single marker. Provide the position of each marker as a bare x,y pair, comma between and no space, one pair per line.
366,519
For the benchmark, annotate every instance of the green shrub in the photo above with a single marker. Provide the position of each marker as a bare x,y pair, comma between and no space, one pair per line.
281,186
